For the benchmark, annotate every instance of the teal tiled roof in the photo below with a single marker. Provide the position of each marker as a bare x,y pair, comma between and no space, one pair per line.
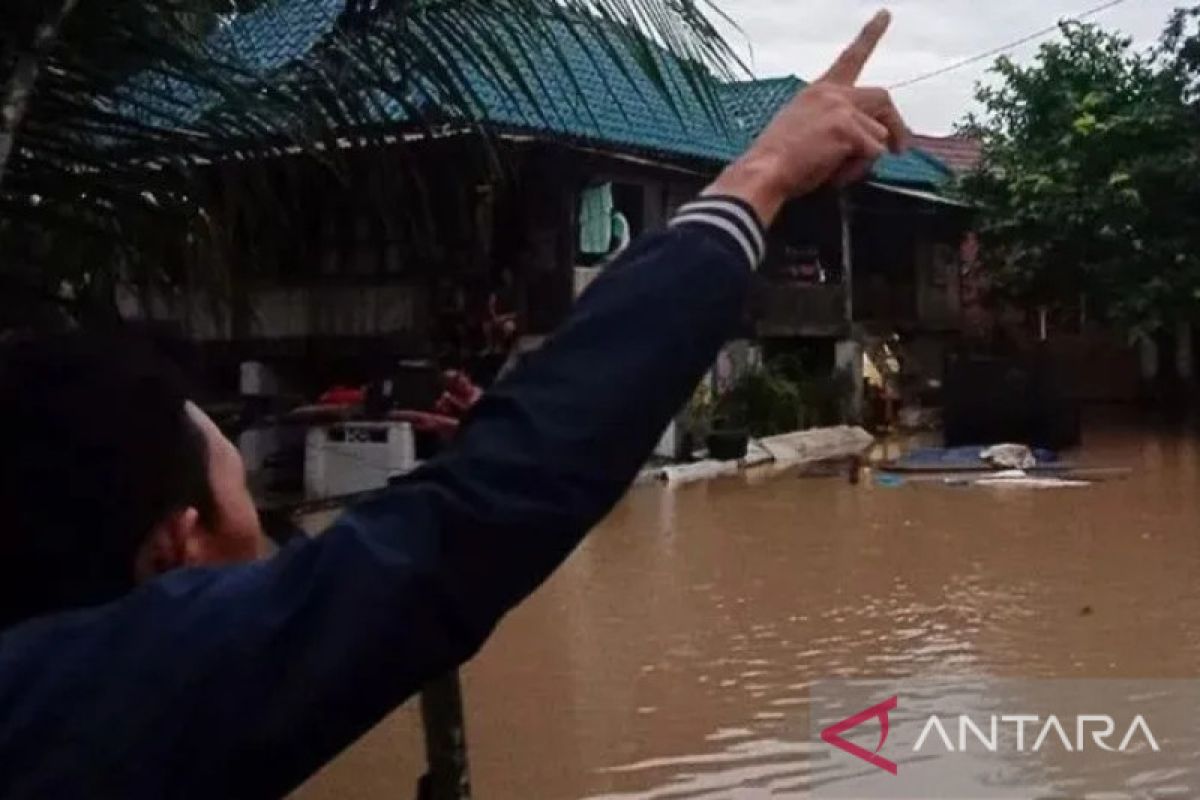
584,93
268,38
590,91
915,167
752,104
277,33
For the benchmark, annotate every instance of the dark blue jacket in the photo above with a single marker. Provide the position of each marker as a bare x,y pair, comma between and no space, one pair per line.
243,681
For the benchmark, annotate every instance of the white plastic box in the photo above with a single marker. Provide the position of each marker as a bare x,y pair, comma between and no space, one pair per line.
353,457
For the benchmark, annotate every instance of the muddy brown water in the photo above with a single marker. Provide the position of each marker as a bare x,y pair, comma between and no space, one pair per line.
671,656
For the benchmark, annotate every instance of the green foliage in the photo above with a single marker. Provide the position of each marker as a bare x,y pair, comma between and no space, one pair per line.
697,416
1091,181
1179,51
762,400
779,397
823,397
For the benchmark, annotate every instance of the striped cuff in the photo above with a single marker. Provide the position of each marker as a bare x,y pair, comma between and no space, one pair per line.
733,217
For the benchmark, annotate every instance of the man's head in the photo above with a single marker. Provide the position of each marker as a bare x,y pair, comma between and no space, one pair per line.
108,476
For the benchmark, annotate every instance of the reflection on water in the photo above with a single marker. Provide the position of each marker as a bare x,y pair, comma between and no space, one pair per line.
671,657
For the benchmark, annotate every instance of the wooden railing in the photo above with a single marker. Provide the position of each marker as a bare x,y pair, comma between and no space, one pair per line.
797,309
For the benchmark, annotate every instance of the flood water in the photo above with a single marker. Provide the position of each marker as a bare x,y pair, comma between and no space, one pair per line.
671,657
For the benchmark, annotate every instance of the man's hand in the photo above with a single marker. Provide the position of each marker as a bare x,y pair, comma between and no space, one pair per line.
459,397
831,131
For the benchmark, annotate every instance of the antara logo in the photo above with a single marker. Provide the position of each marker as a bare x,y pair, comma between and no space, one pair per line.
1091,730
833,734
1030,733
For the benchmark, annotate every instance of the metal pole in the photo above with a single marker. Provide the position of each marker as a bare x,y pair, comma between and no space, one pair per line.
448,776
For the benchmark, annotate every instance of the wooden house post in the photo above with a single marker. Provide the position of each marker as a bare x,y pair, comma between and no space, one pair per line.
848,352
847,256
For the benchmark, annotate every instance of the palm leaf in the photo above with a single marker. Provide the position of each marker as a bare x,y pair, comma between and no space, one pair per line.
110,113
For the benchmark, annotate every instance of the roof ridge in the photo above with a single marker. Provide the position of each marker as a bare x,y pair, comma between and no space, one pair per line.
761,81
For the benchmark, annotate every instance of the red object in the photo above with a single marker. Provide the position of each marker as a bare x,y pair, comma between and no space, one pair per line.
460,396
443,426
343,396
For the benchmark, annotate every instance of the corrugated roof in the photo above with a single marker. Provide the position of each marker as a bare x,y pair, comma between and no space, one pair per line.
961,153
620,106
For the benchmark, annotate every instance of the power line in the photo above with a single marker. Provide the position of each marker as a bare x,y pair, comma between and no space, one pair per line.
966,62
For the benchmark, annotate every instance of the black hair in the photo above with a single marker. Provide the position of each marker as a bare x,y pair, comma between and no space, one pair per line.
96,448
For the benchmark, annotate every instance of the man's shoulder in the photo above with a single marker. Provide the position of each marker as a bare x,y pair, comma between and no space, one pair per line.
44,685
89,696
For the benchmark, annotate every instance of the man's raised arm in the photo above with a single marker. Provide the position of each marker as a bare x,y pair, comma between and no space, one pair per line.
265,672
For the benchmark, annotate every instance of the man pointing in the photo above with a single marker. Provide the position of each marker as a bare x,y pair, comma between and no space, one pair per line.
147,651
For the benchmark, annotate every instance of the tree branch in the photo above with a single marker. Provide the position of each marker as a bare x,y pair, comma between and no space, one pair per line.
20,85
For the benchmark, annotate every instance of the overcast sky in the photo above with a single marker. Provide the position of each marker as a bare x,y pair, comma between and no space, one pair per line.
801,37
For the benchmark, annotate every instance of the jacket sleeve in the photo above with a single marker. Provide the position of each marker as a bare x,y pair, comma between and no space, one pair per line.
269,670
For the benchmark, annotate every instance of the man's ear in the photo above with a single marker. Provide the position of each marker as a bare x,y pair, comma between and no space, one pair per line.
177,541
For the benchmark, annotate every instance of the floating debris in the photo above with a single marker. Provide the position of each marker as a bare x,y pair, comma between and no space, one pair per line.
1020,479
778,452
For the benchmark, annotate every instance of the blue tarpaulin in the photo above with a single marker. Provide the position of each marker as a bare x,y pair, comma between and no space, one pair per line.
952,458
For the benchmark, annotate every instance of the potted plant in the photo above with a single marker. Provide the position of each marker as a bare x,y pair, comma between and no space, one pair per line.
695,422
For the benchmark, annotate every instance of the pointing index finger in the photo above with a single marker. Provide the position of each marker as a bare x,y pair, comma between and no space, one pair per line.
849,65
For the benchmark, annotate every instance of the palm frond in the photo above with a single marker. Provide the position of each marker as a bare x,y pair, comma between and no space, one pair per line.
110,112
